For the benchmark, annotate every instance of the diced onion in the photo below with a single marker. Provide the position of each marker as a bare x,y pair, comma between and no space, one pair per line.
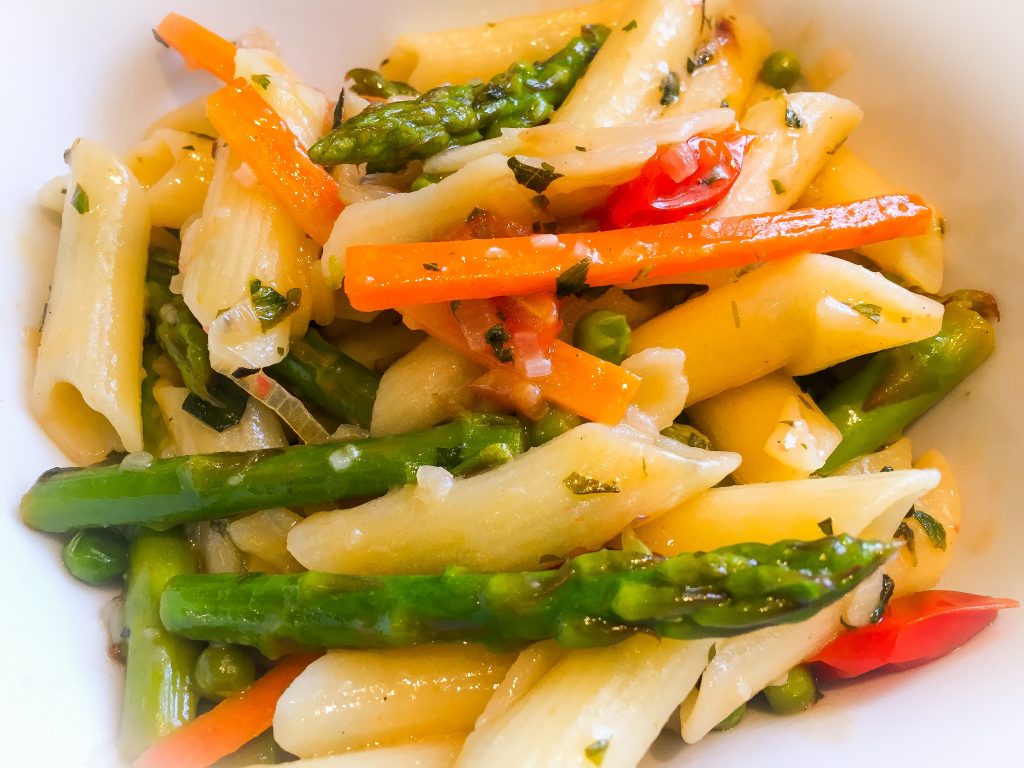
284,404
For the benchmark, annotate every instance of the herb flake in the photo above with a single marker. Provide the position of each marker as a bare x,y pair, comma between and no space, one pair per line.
581,485
826,526
670,89
933,529
872,312
793,120
431,266
80,200
574,279
630,27
531,177
497,337
702,58
594,751
271,307
779,187
263,81
905,534
888,587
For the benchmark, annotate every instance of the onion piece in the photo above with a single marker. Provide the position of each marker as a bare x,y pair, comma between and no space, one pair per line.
284,404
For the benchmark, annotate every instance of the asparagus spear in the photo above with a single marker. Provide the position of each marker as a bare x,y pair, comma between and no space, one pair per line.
208,486
318,372
387,136
594,599
875,405
159,694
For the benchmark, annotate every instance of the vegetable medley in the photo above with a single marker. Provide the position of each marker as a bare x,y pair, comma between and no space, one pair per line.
500,411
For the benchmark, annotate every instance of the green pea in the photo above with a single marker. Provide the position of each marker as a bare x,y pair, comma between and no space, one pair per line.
795,695
223,670
733,719
604,334
687,435
96,555
781,69
551,425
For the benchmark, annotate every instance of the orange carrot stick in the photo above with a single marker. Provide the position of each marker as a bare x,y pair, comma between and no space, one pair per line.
198,46
579,382
264,141
229,725
383,276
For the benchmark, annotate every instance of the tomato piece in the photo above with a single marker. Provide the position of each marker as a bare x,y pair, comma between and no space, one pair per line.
914,629
517,329
682,181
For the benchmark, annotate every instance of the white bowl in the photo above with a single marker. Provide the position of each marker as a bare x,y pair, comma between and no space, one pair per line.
938,81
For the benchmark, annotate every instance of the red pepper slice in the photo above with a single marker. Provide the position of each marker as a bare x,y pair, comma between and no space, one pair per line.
915,628
682,181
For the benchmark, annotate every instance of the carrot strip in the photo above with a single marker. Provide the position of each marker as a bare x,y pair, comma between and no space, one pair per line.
579,382
384,276
198,46
229,725
264,141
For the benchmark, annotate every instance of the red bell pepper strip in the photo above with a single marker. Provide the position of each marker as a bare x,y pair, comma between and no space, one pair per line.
914,629
198,46
264,141
385,276
681,182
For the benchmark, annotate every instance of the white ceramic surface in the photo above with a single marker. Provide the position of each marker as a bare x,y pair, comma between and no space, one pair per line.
939,81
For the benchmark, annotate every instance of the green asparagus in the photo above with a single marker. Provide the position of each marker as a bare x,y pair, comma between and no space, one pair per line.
208,486
875,405
594,599
317,372
388,136
159,693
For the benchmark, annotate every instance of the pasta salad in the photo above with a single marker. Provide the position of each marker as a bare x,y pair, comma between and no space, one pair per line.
543,391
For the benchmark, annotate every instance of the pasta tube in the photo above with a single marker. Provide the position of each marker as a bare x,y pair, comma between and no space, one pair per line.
88,379
438,753
799,315
868,505
779,431
572,493
175,167
602,706
626,79
356,699
915,260
428,59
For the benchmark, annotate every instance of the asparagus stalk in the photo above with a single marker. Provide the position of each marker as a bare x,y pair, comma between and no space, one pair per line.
319,373
592,600
387,136
208,486
874,406
159,694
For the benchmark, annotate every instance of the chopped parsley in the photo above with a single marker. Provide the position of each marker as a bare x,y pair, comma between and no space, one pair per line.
630,27
703,57
455,306
581,485
531,177
594,751
497,337
670,89
905,534
263,81
189,148
779,187
574,279
580,148
872,312
932,528
80,200
431,266
826,526
793,120
888,587
271,307
339,109
716,174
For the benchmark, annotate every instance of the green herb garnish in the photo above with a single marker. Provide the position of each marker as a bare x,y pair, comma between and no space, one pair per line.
497,337
80,200
581,485
263,81
537,179
574,279
872,312
669,89
630,27
271,307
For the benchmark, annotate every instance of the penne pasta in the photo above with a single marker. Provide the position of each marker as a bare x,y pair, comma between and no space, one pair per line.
796,133
422,389
570,494
258,428
737,46
88,378
357,699
176,168
603,706
439,753
429,59
777,429
626,79
799,315
870,505
917,261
